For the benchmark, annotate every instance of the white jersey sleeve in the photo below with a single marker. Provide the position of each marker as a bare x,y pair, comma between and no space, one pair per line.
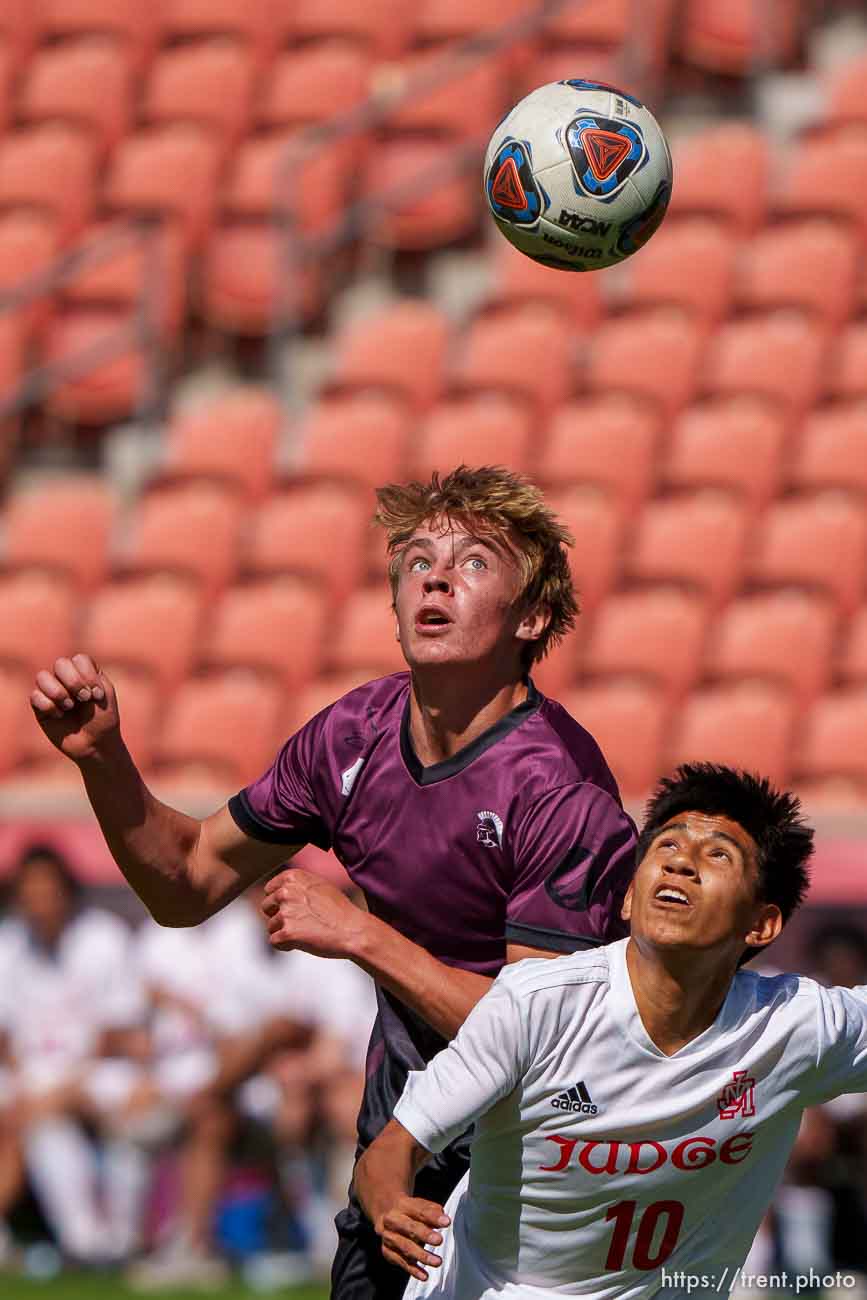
841,1057
480,1066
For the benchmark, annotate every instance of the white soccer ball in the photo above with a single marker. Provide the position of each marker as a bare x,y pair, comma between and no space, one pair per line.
578,175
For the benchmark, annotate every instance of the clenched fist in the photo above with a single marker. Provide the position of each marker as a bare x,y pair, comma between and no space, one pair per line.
76,706
304,911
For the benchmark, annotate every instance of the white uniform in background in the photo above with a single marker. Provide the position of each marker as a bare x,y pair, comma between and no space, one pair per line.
603,1168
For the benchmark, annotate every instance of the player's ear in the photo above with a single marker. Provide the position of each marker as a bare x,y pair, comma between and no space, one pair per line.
533,623
626,909
767,924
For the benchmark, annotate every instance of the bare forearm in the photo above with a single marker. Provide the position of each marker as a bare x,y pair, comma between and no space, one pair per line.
442,995
386,1171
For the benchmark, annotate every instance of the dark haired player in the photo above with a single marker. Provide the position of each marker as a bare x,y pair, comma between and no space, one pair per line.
479,819
635,1105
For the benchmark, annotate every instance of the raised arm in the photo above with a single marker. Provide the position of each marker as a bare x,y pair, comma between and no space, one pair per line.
183,869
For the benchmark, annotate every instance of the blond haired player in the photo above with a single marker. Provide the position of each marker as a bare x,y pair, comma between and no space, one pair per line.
480,820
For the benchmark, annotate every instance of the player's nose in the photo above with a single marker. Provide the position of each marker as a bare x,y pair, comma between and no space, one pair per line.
436,582
681,864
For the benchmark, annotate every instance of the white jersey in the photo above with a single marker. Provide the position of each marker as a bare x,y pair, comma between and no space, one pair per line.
602,1167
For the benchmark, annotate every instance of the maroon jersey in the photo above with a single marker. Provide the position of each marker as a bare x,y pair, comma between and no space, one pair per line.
519,837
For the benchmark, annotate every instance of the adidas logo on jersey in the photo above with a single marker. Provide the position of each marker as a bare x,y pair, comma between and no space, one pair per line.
576,1099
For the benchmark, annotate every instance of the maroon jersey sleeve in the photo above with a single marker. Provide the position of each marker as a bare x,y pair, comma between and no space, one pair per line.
574,855
282,806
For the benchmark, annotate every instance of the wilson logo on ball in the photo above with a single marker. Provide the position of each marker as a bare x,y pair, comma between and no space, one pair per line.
511,187
604,153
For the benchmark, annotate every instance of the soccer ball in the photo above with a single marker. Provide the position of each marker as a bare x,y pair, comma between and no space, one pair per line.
578,175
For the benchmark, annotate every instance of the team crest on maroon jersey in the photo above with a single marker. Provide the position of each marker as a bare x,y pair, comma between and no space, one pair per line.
737,1097
489,830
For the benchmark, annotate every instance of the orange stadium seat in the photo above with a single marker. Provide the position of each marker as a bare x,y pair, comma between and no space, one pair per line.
828,175
136,266
852,664
28,245
847,367
19,30
317,695
485,430
705,163
139,703
401,349
134,25
596,523
755,637
50,167
192,528
748,725
818,540
466,104
560,668
627,719
365,634
380,28
85,83
38,623
168,171
15,715
423,199
518,279
276,626
832,451
317,529
224,727
834,742
209,84
438,22
246,286
604,63
263,172
657,633
313,84
779,268
149,624
697,540
610,439
109,372
249,21
781,355
665,272
847,93
644,31
733,442
653,354
233,436
830,794
64,525
734,38
6,84
362,435
524,353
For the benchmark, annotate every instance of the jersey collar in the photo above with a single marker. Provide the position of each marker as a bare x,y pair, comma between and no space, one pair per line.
469,753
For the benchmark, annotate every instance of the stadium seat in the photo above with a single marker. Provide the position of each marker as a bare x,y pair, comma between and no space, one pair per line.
827,175
466,101
12,331
19,30
246,288
665,272
832,451
732,442
276,626
263,177
28,245
362,435
781,355
148,624
38,621
317,529
49,167
780,268
818,540
610,439
86,83
627,719
379,28
830,794
439,22
139,703
852,664
847,364
401,349
488,429
705,164
65,525
168,171
226,726
755,636
16,717
134,25
524,353
518,280
697,540
251,22
560,668
233,436
109,374
657,634
653,354
365,634
313,84
847,94
190,528
133,264
597,525
421,196
735,38
316,696
834,742
208,83
748,725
